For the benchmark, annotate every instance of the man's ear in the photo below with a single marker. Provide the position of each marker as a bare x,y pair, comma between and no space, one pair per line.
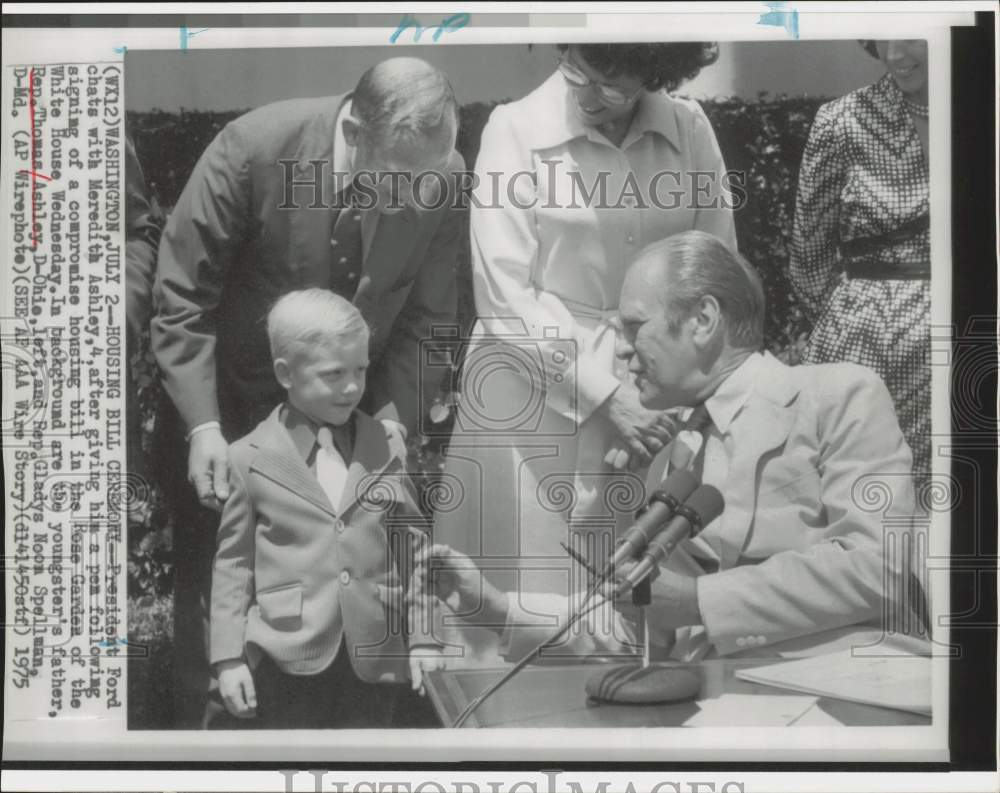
352,131
283,373
707,321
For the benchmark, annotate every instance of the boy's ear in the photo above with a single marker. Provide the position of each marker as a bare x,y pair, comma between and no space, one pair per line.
283,373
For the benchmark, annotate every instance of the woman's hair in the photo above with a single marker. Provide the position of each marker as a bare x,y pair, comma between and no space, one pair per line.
870,47
656,65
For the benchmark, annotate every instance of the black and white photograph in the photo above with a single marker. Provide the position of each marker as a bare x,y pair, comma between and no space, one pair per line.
545,291
570,395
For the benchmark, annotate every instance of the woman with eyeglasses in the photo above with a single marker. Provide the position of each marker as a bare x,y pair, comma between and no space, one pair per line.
860,257
573,181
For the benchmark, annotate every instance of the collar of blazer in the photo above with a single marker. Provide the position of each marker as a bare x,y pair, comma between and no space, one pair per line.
369,476
762,426
310,227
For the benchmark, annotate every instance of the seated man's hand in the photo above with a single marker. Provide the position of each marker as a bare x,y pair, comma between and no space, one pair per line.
423,659
208,467
237,689
641,433
674,603
454,579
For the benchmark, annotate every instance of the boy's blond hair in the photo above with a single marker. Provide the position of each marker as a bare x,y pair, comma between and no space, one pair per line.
309,317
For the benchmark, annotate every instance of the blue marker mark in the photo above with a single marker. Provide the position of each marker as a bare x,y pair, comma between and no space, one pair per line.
121,50
187,34
779,17
111,642
448,25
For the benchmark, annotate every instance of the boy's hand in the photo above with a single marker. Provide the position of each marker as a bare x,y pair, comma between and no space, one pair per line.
237,689
425,658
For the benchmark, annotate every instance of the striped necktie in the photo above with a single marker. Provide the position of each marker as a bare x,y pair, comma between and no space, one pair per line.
688,449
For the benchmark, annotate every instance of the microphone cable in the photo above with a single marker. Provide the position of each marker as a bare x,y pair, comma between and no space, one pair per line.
581,612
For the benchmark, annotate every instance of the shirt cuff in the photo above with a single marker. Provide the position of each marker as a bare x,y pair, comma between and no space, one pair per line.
581,395
207,425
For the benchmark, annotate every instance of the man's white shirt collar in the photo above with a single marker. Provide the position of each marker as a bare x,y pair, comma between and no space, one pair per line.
730,397
343,153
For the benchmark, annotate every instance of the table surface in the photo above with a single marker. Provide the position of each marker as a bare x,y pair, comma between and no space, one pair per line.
554,696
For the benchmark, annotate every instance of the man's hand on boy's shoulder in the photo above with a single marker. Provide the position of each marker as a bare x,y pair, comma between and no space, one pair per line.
395,433
237,689
425,658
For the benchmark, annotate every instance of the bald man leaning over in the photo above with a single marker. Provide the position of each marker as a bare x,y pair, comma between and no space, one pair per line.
276,203
260,216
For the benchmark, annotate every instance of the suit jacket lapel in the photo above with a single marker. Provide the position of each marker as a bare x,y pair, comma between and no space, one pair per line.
279,460
310,226
393,240
370,461
762,426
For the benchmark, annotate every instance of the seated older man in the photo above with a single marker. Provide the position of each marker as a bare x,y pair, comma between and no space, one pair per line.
800,550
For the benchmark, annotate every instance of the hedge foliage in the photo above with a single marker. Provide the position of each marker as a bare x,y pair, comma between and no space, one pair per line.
761,139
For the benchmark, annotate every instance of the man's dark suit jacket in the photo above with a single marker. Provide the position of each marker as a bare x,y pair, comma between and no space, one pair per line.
230,250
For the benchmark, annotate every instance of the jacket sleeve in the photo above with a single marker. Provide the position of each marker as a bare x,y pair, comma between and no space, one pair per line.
866,492
407,529
813,264
504,249
202,236
232,572
144,224
403,385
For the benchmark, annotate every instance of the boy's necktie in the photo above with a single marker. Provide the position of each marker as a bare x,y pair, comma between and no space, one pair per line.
688,449
331,470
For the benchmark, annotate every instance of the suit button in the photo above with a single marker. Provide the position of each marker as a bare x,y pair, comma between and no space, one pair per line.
334,243
741,642
338,524
357,216
345,577
342,260
630,239
352,276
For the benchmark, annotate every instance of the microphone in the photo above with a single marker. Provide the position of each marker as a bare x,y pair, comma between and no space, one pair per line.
663,503
702,507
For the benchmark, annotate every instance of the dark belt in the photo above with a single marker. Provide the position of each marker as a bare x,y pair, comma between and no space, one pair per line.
885,271
861,255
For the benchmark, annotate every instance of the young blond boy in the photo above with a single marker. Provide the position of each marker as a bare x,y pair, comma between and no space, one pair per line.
307,608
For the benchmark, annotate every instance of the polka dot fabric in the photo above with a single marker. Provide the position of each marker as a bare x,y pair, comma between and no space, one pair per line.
864,175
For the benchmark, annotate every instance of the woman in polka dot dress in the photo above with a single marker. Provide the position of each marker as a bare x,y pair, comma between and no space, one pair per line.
860,261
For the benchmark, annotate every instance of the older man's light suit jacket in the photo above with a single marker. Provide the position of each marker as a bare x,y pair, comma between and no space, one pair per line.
818,486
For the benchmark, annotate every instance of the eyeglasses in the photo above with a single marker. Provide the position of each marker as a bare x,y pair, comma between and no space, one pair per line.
608,94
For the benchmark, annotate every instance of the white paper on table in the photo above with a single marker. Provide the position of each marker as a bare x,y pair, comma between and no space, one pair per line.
750,710
897,681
